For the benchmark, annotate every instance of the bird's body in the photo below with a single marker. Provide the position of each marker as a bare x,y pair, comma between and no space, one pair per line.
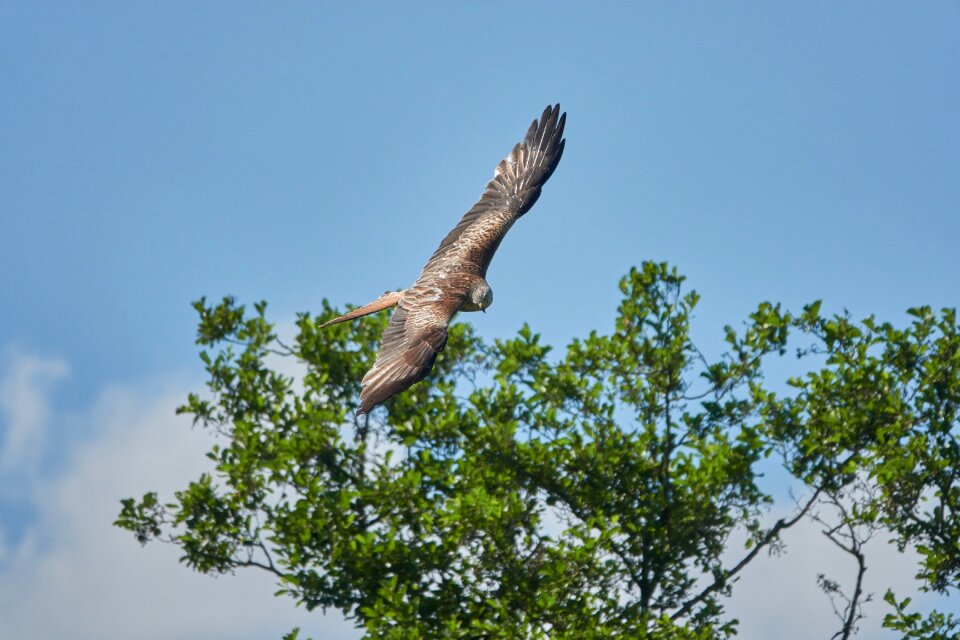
454,278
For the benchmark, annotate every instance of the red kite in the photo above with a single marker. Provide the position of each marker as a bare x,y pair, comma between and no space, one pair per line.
454,278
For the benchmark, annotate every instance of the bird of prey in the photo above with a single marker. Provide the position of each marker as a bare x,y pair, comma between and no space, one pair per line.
454,277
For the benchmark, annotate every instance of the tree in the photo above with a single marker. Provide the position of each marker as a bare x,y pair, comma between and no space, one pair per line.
515,494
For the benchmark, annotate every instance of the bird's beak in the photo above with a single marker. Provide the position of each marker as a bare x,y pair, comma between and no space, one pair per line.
484,310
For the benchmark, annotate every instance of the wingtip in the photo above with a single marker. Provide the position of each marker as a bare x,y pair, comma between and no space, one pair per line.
364,407
367,403
547,128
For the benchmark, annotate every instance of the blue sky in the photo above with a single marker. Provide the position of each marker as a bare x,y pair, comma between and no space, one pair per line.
151,154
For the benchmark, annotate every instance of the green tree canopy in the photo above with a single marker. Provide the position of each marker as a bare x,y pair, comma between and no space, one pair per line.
593,493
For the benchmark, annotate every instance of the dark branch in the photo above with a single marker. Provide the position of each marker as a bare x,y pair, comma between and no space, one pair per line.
724,578
851,542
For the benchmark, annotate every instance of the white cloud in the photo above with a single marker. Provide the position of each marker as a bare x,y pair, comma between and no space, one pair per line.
25,383
74,575
778,596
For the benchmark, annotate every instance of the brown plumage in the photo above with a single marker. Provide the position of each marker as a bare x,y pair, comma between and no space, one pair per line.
454,278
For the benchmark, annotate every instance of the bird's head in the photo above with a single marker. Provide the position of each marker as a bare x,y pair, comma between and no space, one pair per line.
479,297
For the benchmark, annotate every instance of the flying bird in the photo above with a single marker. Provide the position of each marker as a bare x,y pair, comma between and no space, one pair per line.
454,278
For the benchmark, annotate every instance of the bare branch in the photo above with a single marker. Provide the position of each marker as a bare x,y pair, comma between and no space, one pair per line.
767,539
850,539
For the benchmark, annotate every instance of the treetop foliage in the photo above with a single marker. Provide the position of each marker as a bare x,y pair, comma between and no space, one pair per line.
589,493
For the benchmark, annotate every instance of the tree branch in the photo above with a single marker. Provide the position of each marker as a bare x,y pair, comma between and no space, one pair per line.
724,579
852,610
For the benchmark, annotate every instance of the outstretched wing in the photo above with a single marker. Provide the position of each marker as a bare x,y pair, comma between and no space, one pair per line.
417,332
515,187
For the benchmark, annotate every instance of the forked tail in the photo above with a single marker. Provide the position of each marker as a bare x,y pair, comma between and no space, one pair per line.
387,300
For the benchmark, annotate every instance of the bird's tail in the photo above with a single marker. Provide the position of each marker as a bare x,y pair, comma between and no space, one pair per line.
387,300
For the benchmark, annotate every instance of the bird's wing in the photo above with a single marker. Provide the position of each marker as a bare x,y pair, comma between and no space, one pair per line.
515,187
417,332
